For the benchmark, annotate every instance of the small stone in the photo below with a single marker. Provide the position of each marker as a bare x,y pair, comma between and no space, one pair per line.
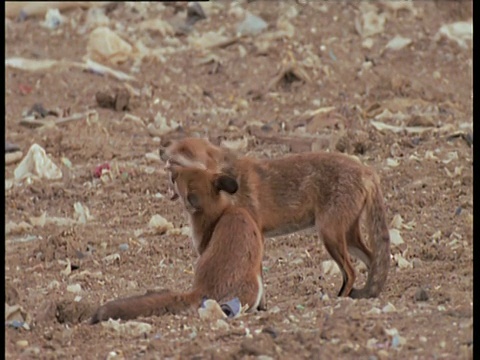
417,263
421,295
22,343
389,308
123,247
74,288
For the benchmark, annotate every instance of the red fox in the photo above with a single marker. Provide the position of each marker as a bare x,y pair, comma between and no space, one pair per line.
327,190
226,237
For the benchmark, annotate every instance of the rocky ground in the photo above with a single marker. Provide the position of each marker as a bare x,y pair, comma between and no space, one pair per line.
386,81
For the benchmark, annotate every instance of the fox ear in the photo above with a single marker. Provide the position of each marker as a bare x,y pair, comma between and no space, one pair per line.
225,183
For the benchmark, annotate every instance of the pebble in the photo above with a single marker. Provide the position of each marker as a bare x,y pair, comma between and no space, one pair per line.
74,288
22,343
421,295
123,247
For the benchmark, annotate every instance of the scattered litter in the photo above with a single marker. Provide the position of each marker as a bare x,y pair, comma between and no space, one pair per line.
159,224
330,267
26,9
402,263
153,157
111,259
397,340
370,21
82,214
396,129
239,144
101,170
97,68
451,156
53,19
251,25
161,126
211,310
373,311
221,324
74,288
18,315
66,162
37,164
398,43
13,157
388,308
32,122
392,162
105,46
130,328
395,237
460,32
157,26
195,13
232,308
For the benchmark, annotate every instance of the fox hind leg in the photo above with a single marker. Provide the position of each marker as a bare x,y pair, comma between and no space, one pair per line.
335,242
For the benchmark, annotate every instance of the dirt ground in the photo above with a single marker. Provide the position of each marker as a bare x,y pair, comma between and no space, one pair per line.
321,76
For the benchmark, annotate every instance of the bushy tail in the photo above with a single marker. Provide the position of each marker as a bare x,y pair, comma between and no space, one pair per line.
379,242
150,304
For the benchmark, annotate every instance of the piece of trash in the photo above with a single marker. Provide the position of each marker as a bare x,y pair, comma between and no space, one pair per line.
396,129
395,237
157,26
100,170
18,314
38,221
13,157
232,308
389,308
459,32
370,21
74,288
105,46
82,214
195,13
211,310
66,162
397,340
397,43
402,263
130,328
451,156
111,259
53,19
37,164
159,224
161,125
26,9
239,144
330,267
251,25
97,68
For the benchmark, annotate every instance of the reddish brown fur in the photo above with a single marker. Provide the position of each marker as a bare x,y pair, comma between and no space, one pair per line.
327,190
228,241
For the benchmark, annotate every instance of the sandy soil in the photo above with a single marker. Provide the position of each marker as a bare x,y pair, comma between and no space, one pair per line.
314,79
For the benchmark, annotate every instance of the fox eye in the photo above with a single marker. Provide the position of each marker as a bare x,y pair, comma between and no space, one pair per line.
193,200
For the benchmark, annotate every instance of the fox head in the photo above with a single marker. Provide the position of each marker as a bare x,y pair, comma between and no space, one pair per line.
202,190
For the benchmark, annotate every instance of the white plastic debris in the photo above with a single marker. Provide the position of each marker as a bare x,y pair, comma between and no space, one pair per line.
398,42
159,224
53,19
330,267
251,25
82,213
105,46
37,164
211,311
395,237
460,32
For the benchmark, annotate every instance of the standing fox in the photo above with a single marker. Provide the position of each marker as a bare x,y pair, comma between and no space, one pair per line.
327,190
226,237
